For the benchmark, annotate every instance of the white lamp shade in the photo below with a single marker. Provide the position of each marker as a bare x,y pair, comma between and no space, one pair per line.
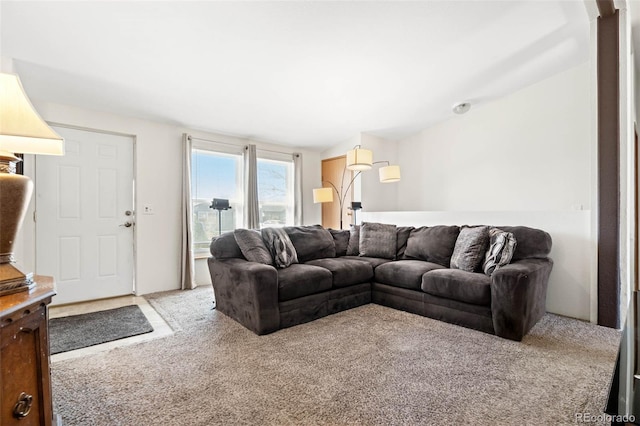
359,159
323,195
21,128
389,174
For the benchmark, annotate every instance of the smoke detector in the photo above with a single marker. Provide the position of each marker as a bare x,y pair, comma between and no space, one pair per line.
461,107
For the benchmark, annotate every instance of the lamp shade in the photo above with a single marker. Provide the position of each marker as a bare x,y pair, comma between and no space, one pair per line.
359,159
322,195
389,174
21,128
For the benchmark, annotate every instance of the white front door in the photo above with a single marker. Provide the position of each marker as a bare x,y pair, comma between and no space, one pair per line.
84,216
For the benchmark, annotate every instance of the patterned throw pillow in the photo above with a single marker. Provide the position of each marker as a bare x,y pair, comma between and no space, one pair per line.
353,248
252,246
470,248
280,246
377,240
502,245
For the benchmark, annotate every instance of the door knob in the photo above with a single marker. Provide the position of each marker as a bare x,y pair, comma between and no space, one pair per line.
127,224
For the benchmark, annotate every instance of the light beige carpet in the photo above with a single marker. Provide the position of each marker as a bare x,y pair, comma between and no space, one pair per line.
367,366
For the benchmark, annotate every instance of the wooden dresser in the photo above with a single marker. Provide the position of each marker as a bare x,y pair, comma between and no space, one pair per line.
25,378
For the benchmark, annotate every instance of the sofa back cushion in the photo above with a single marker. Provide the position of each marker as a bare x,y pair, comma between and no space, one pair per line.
311,242
531,242
403,233
353,248
432,243
341,240
225,247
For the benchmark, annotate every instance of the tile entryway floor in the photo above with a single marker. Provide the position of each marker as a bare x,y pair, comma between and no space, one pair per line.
160,327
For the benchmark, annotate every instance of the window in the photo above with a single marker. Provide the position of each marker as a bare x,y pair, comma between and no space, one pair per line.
217,171
275,192
214,175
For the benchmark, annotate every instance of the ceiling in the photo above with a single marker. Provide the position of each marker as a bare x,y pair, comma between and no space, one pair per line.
306,74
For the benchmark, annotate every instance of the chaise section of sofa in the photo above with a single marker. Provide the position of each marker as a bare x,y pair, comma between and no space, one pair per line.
508,303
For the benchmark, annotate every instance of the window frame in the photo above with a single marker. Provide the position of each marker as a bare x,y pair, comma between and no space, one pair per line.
221,149
276,157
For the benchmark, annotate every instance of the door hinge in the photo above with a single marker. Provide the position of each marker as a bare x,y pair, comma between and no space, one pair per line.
34,216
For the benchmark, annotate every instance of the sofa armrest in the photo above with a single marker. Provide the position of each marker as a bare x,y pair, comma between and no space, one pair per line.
519,296
247,292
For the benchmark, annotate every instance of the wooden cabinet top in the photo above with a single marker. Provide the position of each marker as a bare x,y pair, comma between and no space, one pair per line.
43,292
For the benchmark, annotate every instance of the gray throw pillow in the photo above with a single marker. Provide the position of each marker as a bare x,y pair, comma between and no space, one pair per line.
280,246
502,245
377,240
470,248
252,246
353,248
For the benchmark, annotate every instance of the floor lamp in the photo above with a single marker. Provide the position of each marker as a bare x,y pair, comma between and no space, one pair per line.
22,130
220,204
355,206
360,160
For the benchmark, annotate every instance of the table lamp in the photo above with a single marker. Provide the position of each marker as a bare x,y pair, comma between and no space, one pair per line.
22,130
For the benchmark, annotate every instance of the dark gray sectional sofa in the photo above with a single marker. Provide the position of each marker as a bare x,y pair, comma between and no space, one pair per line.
333,276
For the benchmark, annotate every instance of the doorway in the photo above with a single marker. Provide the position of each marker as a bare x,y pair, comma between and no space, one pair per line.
334,171
84,215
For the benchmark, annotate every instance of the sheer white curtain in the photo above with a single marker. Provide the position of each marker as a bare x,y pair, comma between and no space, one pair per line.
297,188
188,268
251,206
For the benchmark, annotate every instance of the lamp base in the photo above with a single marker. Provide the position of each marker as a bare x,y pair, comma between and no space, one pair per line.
13,280
15,193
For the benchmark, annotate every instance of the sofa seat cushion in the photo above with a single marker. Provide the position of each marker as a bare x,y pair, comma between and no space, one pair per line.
345,272
455,284
373,261
302,280
404,273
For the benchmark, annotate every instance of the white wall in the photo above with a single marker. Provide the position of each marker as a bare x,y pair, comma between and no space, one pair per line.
158,177
527,151
378,196
524,159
